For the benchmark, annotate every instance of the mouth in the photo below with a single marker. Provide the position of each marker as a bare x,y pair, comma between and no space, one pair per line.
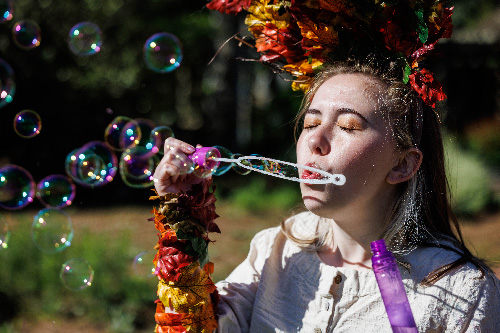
308,174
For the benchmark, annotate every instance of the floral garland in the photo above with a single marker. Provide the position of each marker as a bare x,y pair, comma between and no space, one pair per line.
299,36
187,296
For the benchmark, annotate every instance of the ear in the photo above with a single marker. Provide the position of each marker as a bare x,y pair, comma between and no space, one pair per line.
407,166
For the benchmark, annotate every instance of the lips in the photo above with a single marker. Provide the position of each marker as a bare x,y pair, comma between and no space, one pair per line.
308,174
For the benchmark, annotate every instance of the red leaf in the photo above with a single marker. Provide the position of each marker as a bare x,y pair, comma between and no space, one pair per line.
231,7
430,90
171,257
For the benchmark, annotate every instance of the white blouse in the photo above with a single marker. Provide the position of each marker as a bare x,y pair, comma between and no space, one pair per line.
283,288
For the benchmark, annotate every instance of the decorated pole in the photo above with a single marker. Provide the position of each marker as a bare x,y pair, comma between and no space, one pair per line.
187,296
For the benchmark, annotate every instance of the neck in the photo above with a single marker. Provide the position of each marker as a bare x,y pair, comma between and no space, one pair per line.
349,245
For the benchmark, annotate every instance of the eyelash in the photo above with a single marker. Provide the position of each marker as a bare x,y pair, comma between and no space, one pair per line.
346,129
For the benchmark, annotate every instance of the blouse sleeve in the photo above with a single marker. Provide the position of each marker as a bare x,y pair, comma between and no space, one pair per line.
485,316
237,292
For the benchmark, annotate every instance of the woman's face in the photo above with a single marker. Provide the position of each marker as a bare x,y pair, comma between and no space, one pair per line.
345,133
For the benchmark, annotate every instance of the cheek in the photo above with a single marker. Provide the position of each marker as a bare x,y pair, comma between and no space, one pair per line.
366,157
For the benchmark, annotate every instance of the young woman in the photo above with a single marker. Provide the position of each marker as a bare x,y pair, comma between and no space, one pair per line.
314,273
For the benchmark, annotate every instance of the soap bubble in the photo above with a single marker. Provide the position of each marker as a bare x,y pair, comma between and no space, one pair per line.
26,34
85,39
5,10
145,127
163,52
56,191
137,167
17,187
239,169
157,138
27,124
119,134
4,233
92,165
52,230
143,264
223,166
7,83
76,274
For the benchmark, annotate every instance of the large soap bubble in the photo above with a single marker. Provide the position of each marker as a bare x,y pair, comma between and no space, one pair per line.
56,191
76,274
137,167
7,83
52,230
26,34
163,52
27,124
85,38
122,133
17,187
157,139
92,165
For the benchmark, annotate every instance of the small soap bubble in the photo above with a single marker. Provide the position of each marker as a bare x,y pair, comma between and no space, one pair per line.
137,167
17,187
52,230
92,165
223,166
5,10
146,126
283,169
256,163
56,191
7,83
4,233
85,39
76,274
143,264
157,138
119,138
26,34
239,169
27,124
163,52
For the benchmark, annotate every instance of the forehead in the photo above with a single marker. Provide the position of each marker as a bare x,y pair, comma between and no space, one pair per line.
355,91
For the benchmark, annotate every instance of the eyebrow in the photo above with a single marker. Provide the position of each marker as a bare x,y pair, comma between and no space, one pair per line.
340,111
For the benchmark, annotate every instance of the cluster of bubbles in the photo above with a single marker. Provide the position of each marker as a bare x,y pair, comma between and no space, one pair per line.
137,142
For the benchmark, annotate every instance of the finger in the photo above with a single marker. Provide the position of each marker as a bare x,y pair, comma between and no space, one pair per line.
179,159
172,143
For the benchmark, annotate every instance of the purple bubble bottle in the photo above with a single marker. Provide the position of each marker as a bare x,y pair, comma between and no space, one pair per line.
392,289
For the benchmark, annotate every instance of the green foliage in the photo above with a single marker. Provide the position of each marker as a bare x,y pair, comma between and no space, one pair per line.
469,180
259,198
116,297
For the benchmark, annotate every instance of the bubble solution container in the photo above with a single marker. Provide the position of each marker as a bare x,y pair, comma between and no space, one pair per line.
392,289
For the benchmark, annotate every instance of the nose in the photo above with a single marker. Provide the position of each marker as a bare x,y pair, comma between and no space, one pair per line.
318,142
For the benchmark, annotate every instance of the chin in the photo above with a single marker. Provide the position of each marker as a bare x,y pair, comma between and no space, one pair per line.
317,207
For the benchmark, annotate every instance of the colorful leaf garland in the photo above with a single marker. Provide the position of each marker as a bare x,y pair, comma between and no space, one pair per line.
299,36
186,292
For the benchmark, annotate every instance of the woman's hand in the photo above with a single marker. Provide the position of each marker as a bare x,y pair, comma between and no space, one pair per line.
171,174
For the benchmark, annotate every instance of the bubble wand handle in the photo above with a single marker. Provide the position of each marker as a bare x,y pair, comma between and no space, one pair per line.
392,289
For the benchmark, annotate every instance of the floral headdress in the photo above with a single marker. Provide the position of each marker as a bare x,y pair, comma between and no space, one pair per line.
299,36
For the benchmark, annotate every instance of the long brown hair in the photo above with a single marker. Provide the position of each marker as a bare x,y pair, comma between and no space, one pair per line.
421,214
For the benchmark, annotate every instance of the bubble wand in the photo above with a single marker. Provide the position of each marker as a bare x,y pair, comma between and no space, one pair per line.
206,160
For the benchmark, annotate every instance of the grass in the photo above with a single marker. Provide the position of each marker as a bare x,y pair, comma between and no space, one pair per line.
119,300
